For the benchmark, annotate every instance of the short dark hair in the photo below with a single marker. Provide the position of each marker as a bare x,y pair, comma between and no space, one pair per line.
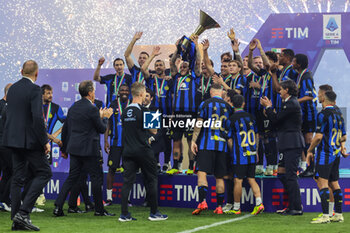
238,101
144,52
291,86
231,93
216,86
239,64
45,87
85,87
326,87
272,56
302,60
330,96
29,67
288,53
226,54
159,61
151,93
118,59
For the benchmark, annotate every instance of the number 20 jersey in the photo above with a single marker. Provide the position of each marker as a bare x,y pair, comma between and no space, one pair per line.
217,111
241,128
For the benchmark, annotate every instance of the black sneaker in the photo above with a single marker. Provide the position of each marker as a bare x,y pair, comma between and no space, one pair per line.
75,210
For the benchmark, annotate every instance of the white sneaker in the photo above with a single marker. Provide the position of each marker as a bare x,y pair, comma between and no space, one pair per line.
337,218
227,207
5,207
37,210
322,219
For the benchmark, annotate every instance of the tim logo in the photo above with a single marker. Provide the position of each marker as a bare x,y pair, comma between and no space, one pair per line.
117,190
290,33
346,196
277,33
278,197
151,120
166,192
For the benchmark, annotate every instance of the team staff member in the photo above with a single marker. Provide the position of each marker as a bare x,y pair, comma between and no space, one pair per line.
242,140
212,147
81,139
25,135
290,142
5,160
115,148
138,153
330,139
112,81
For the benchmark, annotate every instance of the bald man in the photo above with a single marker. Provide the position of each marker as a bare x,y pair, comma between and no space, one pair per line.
25,135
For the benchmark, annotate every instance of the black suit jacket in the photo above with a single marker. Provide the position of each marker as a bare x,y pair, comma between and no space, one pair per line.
288,122
24,124
82,128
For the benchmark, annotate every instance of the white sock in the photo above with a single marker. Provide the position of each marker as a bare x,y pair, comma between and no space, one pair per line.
237,206
331,207
109,194
258,201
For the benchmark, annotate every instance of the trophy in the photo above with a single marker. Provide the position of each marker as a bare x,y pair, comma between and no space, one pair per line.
205,22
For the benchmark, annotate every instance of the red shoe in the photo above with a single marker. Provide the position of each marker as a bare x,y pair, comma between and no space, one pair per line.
201,206
218,210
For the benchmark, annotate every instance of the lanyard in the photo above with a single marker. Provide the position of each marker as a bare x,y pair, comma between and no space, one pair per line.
120,109
116,89
265,79
227,79
159,89
300,76
205,88
47,117
140,77
234,80
180,82
283,73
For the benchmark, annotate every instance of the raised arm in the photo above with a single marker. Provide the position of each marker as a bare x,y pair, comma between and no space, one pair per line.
197,68
97,76
127,54
235,46
173,68
144,68
252,46
206,59
263,55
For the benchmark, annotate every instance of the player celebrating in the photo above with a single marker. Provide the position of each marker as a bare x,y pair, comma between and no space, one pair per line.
330,140
242,140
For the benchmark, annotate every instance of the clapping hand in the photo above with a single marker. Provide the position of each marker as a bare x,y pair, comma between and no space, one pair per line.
264,101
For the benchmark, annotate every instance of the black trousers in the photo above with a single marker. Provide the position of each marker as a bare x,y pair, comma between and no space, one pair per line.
6,178
148,165
39,165
79,187
291,162
93,168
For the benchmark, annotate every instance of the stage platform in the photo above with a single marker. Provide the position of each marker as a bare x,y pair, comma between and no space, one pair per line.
181,191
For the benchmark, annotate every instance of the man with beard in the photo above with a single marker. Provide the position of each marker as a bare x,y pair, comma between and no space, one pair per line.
136,73
162,86
115,148
184,108
112,81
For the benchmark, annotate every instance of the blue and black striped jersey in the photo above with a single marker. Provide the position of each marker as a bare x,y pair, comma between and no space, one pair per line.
241,128
306,87
203,89
185,92
286,74
217,111
136,75
266,89
251,95
115,122
330,123
112,89
237,82
163,90
52,113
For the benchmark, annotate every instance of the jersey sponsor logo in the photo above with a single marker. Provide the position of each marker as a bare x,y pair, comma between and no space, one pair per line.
151,120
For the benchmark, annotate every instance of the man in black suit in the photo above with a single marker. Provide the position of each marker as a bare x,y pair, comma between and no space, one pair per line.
81,139
290,142
25,135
